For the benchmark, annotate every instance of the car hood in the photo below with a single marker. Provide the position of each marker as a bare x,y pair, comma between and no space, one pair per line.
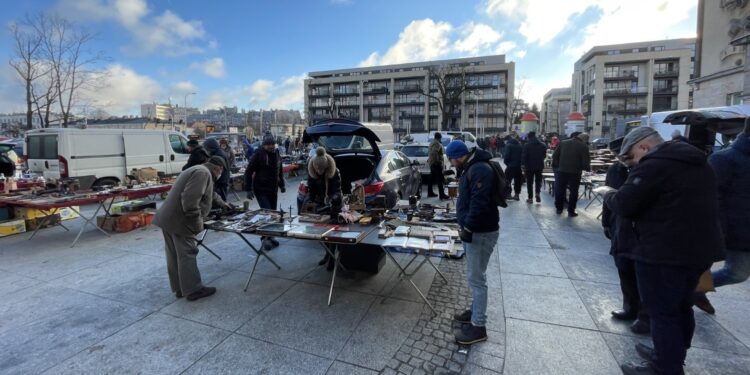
723,120
342,127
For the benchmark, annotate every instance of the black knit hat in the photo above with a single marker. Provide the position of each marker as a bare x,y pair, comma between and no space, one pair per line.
218,160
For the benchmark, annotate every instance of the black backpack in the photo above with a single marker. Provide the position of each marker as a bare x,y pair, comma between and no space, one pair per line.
500,193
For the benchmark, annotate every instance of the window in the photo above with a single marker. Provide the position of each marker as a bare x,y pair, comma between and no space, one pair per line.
415,151
178,144
734,98
43,147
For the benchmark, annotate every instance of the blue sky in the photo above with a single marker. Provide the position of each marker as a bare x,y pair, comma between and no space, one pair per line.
255,54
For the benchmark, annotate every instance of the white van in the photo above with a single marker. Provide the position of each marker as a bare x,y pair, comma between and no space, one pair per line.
107,154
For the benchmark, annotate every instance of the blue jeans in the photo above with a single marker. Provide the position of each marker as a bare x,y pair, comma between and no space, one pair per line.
667,294
736,268
478,254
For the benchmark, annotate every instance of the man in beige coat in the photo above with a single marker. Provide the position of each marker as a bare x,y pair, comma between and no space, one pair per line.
181,219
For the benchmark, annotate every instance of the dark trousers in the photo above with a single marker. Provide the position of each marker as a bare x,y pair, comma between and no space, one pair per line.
631,299
667,293
533,183
436,177
267,200
565,182
515,179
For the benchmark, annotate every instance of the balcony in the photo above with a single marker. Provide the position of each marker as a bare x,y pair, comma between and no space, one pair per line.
376,90
622,109
662,108
627,91
345,92
667,73
376,103
406,88
665,90
320,93
410,102
619,76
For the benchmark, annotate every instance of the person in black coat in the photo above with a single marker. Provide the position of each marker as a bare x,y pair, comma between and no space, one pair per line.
532,159
513,156
620,231
222,184
671,197
198,154
264,177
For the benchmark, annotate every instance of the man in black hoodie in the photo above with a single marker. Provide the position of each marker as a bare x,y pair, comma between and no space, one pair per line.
264,177
671,198
222,184
534,153
198,154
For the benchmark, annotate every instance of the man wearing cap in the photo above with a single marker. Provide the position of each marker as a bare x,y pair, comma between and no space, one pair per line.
671,198
181,218
619,231
571,158
264,177
435,161
198,154
478,219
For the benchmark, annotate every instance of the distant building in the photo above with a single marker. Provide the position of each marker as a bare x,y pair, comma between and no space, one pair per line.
628,80
391,93
720,67
555,109
19,119
161,112
259,121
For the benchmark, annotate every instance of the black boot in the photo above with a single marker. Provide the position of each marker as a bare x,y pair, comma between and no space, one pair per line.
471,334
640,327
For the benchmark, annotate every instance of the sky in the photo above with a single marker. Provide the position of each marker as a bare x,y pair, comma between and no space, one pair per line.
256,54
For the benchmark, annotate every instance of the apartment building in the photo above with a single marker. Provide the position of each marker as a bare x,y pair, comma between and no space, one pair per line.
392,94
555,109
617,82
721,69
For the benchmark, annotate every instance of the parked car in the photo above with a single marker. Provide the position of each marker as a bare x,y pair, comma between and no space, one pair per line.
418,154
600,143
358,158
16,144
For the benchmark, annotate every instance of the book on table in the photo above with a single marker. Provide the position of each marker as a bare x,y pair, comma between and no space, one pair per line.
344,236
310,232
275,229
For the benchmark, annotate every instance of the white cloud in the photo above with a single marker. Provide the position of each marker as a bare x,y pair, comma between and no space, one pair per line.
419,41
476,37
289,93
121,91
533,90
540,20
505,47
212,67
166,33
260,90
183,87
286,93
520,54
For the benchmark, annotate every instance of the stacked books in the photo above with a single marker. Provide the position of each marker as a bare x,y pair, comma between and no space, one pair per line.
344,236
310,232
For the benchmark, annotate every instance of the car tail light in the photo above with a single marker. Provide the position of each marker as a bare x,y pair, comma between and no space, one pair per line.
374,188
303,188
63,166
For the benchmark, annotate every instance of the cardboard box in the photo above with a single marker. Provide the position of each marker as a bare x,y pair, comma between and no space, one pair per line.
145,174
126,222
43,222
11,227
108,225
32,213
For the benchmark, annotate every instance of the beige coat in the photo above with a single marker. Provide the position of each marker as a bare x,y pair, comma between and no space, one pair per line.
188,203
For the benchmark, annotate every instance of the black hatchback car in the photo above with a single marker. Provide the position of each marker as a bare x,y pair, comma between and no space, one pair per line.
358,158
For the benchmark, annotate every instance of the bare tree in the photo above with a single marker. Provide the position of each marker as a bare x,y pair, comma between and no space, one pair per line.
66,48
447,85
25,61
44,96
514,106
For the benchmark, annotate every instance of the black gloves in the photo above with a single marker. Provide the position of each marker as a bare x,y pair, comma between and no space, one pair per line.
283,189
250,195
465,235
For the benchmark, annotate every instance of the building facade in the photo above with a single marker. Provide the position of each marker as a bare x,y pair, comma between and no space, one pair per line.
720,72
555,108
616,82
392,94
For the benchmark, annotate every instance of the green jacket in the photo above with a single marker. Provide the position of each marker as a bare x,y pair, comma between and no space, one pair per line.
435,153
572,156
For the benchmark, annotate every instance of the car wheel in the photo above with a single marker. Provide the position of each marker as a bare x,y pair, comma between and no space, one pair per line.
106,182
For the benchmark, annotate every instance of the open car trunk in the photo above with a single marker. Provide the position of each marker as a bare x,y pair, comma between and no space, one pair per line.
703,124
353,168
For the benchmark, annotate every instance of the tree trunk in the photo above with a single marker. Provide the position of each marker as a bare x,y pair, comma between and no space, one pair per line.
29,109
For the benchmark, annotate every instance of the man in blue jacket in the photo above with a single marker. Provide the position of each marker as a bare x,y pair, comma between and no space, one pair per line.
478,219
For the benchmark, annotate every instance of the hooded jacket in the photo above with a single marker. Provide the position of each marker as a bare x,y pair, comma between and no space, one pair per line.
264,172
513,154
671,197
328,185
534,153
732,168
199,155
476,209
212,146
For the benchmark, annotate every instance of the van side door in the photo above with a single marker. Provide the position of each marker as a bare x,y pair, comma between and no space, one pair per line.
145,149
42,153
178,153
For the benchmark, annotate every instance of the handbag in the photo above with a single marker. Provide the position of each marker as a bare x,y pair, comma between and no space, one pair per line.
706,282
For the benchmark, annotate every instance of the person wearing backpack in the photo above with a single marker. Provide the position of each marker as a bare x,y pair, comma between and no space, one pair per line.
478,219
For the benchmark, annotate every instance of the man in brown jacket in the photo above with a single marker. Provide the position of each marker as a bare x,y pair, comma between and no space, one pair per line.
572,158
435,161
181,219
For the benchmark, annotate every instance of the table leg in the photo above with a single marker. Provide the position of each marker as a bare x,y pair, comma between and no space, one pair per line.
403,273
333,278
88,221
257,258
45,220
200,243
445,280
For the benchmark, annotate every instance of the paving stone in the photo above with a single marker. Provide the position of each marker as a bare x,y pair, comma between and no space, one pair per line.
589,266
341,368
472,369
530,261
485,360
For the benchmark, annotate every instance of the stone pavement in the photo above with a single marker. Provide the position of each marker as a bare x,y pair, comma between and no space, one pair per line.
105,307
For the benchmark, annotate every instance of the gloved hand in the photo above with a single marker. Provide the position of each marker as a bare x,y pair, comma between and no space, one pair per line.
465,235
230,207
282,189
608,233
250,195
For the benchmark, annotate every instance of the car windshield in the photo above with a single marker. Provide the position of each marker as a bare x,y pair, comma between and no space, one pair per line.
345,142
415,151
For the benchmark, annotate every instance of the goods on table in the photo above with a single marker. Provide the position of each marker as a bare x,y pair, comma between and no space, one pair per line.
310,232
275,229
344,236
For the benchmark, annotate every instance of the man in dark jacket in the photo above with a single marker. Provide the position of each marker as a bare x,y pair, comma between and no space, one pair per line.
435,161
620,231
222,184
732,168
534,153
198,154
571,158
264,177
513,156
478,220
671,197
500,146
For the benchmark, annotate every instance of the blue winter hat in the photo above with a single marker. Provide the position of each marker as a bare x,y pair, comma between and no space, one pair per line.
456,149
